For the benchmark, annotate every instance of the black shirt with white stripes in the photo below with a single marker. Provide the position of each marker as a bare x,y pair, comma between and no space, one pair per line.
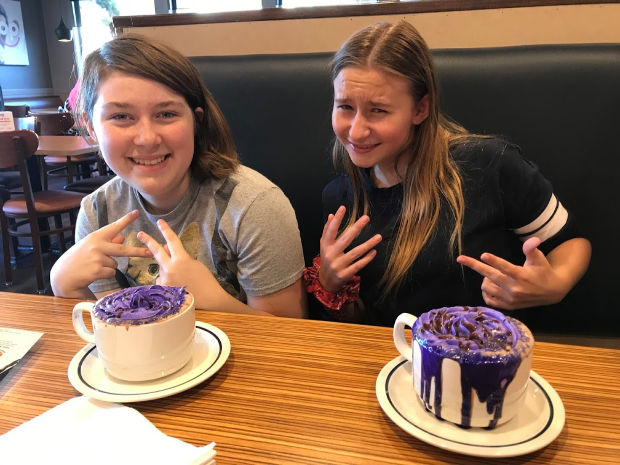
507,200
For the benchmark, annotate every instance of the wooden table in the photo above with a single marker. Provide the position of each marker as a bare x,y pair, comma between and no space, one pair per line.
303,392
65,145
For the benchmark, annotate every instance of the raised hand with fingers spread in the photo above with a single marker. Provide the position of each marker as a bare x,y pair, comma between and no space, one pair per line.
337,265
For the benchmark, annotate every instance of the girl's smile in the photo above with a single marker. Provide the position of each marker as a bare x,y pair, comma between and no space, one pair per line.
149,162
362,149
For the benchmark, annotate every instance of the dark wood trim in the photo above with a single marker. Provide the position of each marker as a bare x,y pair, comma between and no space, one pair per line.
384,8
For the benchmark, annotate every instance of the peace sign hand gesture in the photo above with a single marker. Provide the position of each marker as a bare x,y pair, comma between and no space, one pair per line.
92,258
507,286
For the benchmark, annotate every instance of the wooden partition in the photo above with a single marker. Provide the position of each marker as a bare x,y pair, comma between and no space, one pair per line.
444,24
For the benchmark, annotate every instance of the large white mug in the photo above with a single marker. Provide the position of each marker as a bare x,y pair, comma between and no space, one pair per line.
140,352
470,365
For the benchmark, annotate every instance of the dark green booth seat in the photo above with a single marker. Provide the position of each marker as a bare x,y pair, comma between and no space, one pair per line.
560,103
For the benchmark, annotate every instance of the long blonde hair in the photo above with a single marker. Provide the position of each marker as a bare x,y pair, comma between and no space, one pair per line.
431,176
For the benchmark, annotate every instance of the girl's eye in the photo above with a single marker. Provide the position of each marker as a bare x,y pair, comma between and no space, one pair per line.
345,107
167,114
119,117
378,110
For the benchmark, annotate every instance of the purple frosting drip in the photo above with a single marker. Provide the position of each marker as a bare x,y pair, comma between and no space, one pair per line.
140,305
483,341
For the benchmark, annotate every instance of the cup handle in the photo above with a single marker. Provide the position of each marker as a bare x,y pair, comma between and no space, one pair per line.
403,320
78,321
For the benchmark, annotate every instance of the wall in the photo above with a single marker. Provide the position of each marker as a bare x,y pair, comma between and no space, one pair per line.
590,23
60,54
33,79
51,69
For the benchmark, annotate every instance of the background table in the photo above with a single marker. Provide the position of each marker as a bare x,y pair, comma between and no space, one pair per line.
65,145
303,392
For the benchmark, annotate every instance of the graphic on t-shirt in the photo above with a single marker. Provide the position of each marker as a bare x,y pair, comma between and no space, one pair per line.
145,270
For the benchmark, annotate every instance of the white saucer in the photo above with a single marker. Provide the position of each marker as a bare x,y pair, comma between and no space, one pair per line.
537,424
87,375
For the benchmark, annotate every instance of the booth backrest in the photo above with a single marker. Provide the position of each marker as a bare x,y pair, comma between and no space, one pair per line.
560,103
39,103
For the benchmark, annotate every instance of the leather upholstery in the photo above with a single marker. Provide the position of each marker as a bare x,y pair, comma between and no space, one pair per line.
558,102
45,203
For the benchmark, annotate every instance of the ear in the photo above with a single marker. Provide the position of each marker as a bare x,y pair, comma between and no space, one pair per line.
89,127
421,110
199,112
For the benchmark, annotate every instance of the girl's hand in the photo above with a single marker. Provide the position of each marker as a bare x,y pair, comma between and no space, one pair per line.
338,267
92,258
178,268
507,286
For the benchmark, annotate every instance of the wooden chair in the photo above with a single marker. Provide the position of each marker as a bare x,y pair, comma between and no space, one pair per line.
71,167
21,215
5,195
88,185
10,179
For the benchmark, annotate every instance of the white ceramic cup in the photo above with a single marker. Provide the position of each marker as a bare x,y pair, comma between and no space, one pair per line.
140,352
452,398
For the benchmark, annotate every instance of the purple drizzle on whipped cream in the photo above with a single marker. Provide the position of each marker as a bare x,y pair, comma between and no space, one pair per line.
487,345
140,305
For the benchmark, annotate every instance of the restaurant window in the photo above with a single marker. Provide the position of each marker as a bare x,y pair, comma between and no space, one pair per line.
305,3
213,6
97,19
97,14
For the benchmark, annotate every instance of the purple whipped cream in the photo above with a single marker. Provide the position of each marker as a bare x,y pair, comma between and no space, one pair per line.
140,305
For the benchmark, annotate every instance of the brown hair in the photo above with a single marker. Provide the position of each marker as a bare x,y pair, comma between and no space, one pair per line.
214,149
431,177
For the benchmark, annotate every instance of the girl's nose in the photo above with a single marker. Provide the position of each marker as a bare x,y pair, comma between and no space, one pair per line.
359,128
146,134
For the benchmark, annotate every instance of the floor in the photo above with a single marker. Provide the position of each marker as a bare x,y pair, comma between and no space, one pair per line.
24,277
24,281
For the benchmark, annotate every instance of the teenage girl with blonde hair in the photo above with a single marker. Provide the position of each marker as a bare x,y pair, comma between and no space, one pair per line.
420,197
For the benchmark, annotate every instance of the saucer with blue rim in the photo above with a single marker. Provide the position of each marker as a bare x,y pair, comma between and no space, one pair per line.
537,424
87,374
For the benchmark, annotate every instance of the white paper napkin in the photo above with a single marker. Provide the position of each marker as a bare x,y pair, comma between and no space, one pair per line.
86,431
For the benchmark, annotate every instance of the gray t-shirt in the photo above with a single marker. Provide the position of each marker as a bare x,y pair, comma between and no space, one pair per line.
243,228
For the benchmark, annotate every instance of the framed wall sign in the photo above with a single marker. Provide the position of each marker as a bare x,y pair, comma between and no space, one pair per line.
6,121
13,49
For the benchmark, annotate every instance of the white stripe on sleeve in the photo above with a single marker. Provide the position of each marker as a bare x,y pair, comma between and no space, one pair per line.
549,222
